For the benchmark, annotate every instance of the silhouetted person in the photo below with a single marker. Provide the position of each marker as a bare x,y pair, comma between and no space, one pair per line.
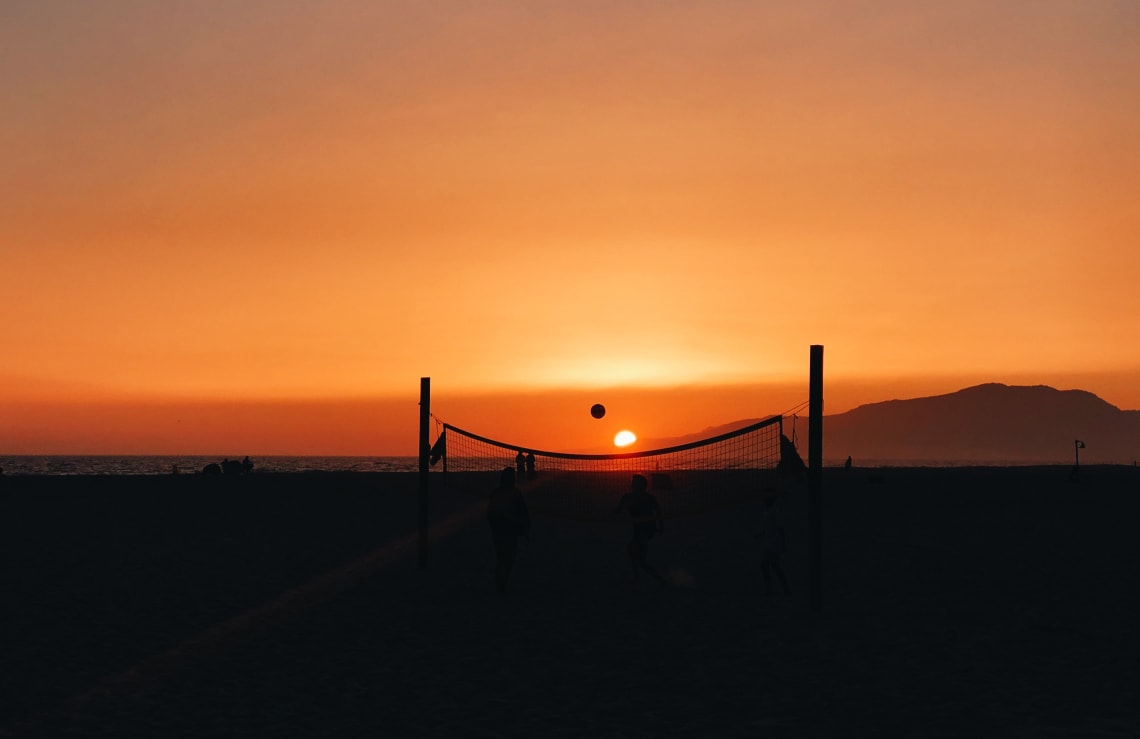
520,464
509,519
231,467
773,543
847,464
246,466
645,515
530,462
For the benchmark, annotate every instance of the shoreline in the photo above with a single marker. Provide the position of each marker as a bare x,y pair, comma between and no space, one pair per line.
435,472
161,465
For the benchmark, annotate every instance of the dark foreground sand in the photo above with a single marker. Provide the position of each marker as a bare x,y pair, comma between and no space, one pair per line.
958,602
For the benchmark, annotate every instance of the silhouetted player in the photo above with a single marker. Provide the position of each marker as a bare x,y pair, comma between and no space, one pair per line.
772,544
645,514
509,518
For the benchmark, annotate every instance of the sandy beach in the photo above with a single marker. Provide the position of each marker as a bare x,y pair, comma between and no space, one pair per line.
957,602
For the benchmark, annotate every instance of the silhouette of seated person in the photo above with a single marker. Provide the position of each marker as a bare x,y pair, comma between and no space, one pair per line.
231,467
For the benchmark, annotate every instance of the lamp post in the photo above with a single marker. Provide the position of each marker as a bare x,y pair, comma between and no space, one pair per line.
1078,445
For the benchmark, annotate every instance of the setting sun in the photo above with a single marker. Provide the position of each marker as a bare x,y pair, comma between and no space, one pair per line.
624,438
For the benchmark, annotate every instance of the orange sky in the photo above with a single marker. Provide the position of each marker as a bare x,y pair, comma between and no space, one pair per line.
306,207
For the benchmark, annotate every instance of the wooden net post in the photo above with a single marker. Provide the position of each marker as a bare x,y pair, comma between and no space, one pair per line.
815,476
425,451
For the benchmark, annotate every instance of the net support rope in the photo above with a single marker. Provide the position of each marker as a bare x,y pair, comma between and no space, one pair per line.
732,468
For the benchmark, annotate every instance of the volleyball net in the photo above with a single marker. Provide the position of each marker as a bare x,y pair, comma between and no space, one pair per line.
727,469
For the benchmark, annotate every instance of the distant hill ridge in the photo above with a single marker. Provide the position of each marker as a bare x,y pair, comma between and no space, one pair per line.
990,423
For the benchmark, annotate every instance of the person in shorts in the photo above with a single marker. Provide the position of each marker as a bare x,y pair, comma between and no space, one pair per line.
645,517
509,519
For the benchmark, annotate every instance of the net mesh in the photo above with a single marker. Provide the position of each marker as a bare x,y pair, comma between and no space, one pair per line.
727,469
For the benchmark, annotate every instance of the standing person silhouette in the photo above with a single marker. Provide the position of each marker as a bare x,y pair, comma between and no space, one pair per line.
645,515
773,543
509,519
520,464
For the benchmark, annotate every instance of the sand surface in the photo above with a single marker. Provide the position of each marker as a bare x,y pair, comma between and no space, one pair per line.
958,602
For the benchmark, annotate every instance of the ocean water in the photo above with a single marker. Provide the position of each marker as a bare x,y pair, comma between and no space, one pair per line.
190,464
165,465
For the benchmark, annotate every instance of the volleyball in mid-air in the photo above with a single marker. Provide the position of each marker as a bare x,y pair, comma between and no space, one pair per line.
597,410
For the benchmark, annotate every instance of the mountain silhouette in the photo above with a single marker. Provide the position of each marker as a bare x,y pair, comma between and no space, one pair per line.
987,424
991,423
